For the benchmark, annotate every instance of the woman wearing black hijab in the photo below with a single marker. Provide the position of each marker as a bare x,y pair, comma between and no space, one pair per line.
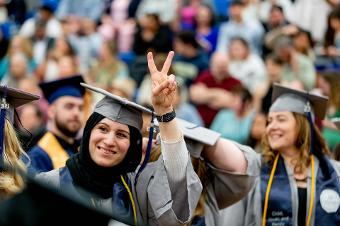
163,193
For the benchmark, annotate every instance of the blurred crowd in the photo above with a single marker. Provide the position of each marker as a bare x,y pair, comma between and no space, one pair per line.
227,55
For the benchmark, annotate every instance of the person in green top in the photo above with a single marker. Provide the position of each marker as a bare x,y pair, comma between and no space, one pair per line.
329,82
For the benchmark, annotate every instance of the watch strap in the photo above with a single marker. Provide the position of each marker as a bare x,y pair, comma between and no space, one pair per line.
166,117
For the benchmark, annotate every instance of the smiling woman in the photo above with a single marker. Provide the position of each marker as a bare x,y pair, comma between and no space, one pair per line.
109,142
162,193
281,130
297,183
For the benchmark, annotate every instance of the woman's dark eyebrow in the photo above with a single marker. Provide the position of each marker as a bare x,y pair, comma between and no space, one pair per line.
120,130
102,123
124,131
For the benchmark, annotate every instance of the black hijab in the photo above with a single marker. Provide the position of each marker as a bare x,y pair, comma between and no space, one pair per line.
97,179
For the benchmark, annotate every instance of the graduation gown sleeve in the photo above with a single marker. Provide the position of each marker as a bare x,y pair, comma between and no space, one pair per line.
162,201
229,187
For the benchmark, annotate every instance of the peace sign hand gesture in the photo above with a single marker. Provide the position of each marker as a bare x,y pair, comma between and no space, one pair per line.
163,85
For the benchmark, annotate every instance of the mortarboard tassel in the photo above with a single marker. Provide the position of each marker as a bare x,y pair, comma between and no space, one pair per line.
3,106
314,146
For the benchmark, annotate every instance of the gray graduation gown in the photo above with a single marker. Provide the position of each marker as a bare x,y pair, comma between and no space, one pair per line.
158,200
226,188
248,211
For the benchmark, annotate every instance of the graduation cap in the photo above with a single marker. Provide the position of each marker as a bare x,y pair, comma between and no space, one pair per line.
298,101
196,137
39,204
69,86
121,110
11,98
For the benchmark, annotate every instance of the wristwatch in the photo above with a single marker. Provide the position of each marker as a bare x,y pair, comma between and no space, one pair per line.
166,117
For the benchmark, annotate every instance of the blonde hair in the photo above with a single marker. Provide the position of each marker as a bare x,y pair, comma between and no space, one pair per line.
11,181
302,143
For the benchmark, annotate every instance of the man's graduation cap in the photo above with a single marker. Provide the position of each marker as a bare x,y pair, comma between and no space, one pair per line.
63,87
11,98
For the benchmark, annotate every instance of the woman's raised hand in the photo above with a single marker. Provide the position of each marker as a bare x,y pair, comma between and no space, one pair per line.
163,85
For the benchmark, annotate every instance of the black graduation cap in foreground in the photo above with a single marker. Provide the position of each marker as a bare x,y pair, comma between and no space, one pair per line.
41,205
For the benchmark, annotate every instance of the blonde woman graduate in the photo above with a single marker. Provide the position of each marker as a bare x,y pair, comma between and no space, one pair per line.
11,152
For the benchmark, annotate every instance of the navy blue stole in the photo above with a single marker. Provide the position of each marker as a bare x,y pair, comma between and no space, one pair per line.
66,183
198,221
326,208
326,189
279,210
121,205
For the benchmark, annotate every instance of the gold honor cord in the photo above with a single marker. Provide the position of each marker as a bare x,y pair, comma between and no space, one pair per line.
131,200
312,195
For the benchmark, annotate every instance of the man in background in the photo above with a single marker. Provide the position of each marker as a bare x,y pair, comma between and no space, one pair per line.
65,117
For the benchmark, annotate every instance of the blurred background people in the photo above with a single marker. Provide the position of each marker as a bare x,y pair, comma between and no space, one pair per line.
247,67
150,35
107,68
21,45
329,83
251,30
239,117
210,92
297,68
